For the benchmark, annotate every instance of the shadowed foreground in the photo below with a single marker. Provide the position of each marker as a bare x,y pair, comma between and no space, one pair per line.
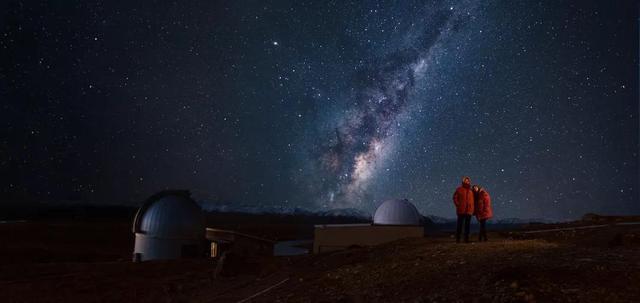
63,262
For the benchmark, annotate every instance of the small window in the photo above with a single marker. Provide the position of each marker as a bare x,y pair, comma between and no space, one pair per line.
214,249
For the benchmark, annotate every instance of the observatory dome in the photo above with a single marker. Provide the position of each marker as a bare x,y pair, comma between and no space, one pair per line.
168,225
396,212
171,215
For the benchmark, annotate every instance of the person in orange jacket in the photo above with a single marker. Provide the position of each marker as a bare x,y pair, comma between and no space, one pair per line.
483,210
463,199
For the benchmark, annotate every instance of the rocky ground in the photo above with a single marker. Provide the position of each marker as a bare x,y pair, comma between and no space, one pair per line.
503,270
89,262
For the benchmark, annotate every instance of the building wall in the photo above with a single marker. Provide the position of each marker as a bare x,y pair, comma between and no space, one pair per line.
336,237
152,248
239,244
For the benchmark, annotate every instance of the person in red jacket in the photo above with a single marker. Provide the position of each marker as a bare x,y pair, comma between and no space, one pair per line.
464,201
483,210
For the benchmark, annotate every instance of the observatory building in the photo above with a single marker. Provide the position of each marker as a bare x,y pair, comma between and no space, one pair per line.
397,212
393,220
240,244
169,225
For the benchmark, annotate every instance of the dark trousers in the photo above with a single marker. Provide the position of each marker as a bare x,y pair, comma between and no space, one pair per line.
482,236
466,220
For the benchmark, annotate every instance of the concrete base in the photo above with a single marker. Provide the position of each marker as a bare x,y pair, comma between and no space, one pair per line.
151,248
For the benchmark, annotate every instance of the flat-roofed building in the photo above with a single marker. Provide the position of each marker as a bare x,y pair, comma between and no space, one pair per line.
240,244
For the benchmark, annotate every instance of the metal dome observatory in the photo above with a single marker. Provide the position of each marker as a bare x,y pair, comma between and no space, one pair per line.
396,212
169,225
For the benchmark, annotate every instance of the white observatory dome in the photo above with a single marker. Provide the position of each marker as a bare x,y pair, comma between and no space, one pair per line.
172,216
169,225
396,212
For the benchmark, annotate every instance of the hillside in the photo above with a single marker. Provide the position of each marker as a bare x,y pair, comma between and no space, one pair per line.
89,261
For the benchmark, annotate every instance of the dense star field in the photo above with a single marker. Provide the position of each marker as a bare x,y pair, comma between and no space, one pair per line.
323,105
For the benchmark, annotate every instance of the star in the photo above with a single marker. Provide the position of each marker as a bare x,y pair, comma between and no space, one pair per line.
362,105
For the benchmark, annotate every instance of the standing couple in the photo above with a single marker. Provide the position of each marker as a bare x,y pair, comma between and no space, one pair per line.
472,200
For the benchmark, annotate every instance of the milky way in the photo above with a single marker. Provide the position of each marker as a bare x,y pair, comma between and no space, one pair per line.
323,104
365,133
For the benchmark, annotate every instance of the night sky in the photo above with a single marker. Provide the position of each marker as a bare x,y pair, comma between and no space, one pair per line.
323,105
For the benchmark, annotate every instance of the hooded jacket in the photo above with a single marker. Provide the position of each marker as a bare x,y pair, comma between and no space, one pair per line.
483,209
463,199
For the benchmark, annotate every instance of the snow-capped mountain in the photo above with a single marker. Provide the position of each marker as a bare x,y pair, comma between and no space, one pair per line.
284,210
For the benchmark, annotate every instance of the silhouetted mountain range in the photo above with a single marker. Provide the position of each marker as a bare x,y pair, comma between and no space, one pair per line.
75,210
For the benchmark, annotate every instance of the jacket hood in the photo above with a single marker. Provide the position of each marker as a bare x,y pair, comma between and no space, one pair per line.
466,185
